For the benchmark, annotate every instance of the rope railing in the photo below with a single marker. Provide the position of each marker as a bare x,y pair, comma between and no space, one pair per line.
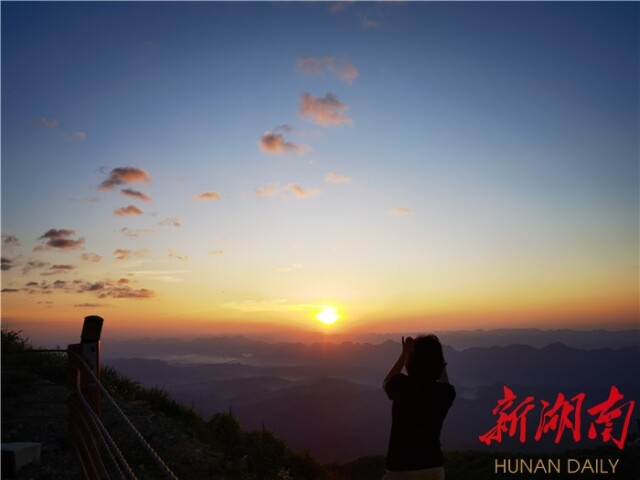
88,391
99,455
103,435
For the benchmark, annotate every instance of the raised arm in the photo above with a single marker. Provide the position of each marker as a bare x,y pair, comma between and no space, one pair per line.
407,345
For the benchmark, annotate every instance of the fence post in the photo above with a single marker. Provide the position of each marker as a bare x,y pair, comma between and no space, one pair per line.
80,424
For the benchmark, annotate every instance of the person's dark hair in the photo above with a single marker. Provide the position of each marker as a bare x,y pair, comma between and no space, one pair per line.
426,360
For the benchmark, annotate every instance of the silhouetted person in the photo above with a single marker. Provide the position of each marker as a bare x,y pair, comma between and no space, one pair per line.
421,400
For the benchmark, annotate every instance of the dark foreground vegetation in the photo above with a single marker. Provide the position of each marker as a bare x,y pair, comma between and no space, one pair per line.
197,448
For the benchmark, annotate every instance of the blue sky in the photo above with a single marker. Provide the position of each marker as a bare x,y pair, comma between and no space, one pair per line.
487,155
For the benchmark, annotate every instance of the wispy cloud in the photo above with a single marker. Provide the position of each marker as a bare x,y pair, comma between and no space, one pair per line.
59,239
340,68
327,111
275,144
125,253
171,222
134,232
270,190
76,137
179,256
124,175
402,211
275,188
91,257
333,177
301,192
62,268
216,252
207,197
129,210
9,241
47,122
34,265
135,194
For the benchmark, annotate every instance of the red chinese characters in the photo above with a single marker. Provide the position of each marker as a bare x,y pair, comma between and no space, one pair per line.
610,418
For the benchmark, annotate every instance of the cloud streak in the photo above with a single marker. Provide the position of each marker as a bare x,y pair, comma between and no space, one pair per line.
125,254
47,122
327,111
9,241
76,137
402,211
171,222
128,192
207,197
275,188
91,257
340,68
124,175
333,177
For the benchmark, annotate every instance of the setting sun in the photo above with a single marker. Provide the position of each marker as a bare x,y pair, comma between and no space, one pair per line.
328,315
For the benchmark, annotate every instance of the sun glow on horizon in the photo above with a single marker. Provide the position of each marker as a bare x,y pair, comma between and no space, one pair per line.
328,315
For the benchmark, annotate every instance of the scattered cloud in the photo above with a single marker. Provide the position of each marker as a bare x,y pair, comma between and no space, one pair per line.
269,190
275,188
34,265
207,196
61,268
340,68
47,122
7,264
127,211
134,232
333,177
124,175
135,194
127,292
102,289
275,144
125,254
402,211
91,257
301,192
327,111
179,256
9,241
76,137
59,239
171,222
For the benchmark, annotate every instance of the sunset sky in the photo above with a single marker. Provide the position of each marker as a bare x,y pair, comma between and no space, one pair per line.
233,167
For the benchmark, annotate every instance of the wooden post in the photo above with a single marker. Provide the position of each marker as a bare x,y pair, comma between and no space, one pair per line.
88,350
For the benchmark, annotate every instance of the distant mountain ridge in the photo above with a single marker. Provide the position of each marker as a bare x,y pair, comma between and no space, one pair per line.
327,398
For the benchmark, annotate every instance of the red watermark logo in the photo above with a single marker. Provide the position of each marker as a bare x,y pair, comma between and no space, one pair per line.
608,420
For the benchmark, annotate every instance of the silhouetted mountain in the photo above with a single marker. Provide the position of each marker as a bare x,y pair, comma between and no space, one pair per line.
331,402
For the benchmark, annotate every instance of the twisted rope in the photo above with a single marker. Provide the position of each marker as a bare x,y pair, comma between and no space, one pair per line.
126,420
